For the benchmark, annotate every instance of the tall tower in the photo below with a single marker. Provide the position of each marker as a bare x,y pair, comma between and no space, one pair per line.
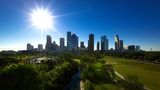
69,41
49,43
120,44
116,42
82,45
97,46
40,47
104,43
74,42
62,43
91,43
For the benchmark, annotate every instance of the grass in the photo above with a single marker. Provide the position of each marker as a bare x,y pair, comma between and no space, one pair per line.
148,73
77,60
106,87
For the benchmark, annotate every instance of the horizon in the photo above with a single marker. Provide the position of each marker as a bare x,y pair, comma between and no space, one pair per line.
136,22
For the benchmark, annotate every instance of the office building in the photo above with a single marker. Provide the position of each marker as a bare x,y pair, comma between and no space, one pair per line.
138,48
54,46
72,42
62,44
40,47
97,46
120,44
116,42
91,43
104,43
49,45
69,41
29,46
130,48
82,45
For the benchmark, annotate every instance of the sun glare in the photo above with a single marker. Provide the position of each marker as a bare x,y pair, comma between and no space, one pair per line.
42,18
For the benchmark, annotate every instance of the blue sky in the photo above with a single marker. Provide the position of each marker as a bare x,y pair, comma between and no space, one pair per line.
137,22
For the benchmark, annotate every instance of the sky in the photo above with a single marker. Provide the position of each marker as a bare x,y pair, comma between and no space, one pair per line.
137,22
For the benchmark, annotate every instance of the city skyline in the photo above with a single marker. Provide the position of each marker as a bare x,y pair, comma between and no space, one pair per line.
129,24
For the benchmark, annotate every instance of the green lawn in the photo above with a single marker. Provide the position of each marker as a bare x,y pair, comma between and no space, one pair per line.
106,87
148,73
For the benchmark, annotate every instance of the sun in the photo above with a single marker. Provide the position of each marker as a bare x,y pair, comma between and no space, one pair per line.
42,19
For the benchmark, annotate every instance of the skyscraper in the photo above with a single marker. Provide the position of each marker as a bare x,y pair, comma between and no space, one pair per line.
62,44
104,43
120,44
69,41
116,42
74,42
97,46
29,46
82,45
91,43
138,48
40,47
49,44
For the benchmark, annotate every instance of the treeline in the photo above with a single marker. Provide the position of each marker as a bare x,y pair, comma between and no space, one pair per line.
148,56
51,74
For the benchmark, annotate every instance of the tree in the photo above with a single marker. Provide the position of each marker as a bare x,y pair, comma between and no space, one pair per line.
19,77
131,83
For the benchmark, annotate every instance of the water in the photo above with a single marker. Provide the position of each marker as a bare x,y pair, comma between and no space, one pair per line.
74,84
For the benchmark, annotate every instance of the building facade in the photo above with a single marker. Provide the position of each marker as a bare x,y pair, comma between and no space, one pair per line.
29,47
40,47
120,44
104,43
49,45
62,42
72,42
138,48
91,43
116,42
97,46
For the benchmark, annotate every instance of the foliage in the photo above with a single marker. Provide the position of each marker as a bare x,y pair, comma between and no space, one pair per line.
19,77
131,83
66,57
151,56
57,78
102,72
89,85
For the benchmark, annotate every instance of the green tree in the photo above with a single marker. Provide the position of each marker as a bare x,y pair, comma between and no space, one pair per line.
131,83
19,77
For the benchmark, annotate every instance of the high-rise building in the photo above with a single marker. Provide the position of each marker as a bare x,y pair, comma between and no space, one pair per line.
69,41
91,43
82,45
62,44
54,46
40,47
104,43
138,48
116,42
97,46
29,46
74,42
120,44
130,48
49,45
